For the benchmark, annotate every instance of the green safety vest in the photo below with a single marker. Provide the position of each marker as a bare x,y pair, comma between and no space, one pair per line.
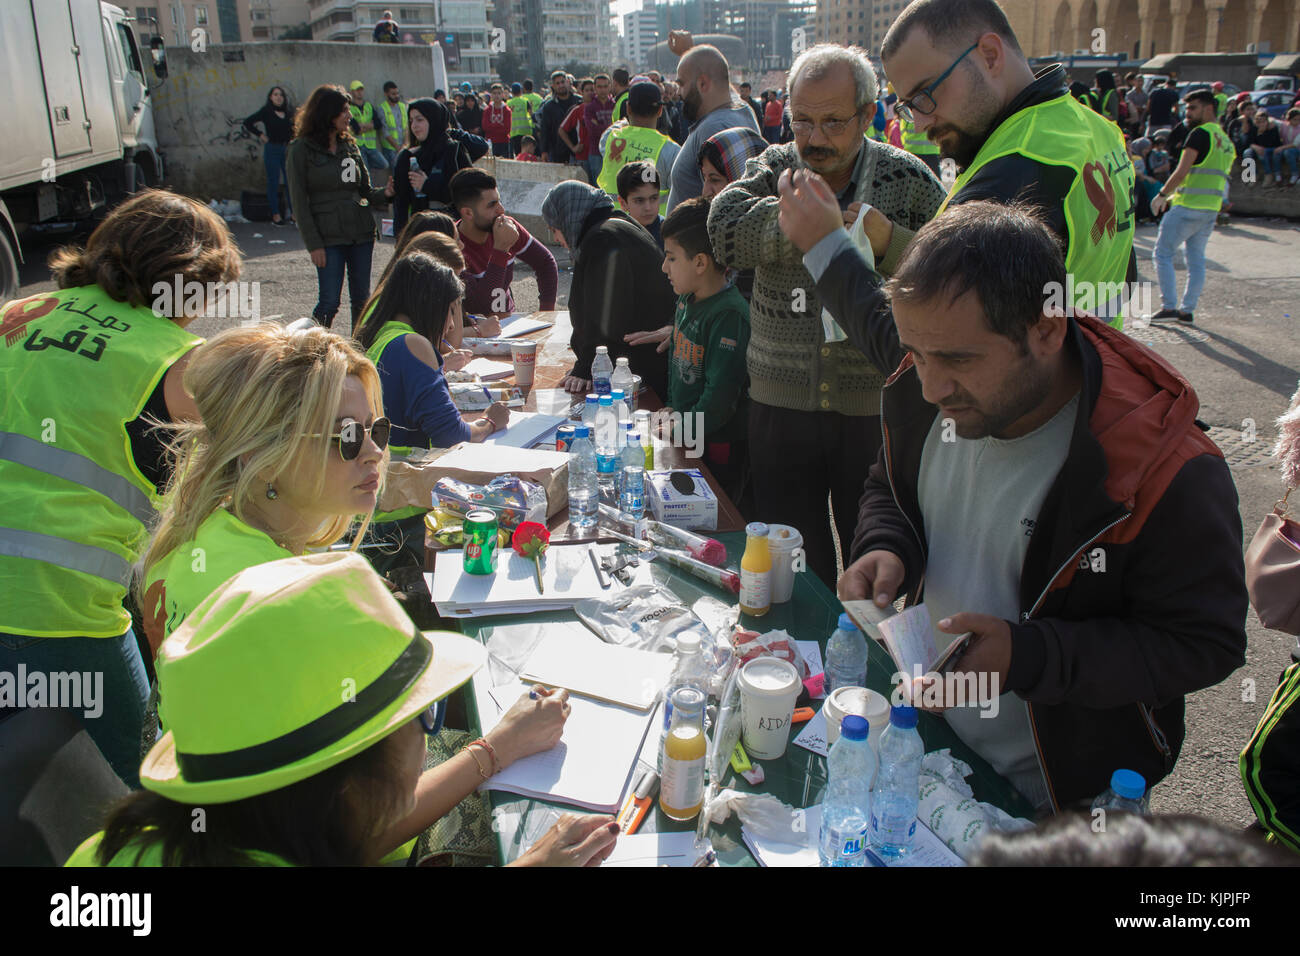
77,366
521,115
536,100
85,855
1206,185
1099,205
391,331
1221,103
914,142
364,114
222,547
632,144
622,98
390,121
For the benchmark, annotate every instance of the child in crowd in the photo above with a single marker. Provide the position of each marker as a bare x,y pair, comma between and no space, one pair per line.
706,368
528,150
638,196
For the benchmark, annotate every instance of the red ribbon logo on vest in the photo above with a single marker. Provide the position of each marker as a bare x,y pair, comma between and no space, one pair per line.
1102,195
616,147
16,317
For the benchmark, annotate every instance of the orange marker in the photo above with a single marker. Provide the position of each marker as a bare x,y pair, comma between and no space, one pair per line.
637,803
802,714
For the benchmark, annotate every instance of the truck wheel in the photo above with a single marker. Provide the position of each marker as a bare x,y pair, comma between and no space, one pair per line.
8,269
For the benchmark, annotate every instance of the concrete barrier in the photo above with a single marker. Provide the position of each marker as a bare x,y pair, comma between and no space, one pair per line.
523,188
1256,200
200,107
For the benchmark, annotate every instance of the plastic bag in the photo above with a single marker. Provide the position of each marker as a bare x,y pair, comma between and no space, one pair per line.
949,808
647,617
751,644
766,817
515,500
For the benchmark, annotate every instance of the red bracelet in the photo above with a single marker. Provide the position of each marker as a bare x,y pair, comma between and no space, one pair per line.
496,764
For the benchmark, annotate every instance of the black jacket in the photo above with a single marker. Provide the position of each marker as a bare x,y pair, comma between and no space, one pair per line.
1132,592
548,118
619,287
460,152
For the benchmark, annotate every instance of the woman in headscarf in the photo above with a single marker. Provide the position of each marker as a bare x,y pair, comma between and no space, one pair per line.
435,150
618,286
722,161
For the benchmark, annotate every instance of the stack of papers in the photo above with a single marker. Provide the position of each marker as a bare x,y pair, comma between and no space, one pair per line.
520,324
486,370
525,429
927,849
654,849
592,764
568,576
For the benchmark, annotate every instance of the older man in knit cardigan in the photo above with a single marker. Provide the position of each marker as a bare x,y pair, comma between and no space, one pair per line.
814,426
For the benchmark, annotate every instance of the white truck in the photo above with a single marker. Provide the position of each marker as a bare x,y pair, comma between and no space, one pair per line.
79,128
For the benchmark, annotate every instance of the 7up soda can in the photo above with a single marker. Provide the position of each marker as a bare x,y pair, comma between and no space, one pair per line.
480,534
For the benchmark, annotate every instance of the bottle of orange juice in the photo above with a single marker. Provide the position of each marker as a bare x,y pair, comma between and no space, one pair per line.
681,787
756,572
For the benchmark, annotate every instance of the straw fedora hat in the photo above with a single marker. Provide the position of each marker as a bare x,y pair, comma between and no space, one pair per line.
288,668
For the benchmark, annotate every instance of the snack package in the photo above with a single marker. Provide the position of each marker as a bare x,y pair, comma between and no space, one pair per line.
514,500
647,617
448,529
751,644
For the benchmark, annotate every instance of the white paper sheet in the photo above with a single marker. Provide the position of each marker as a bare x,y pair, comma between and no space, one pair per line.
654,849
927,849
813,735
521,324
591,766
619,675
488,370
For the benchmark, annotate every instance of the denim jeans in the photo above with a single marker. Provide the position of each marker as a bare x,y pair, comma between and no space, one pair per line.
329,280
122,696
390,155
374,158
1182,225
593,164
1291,156
273,158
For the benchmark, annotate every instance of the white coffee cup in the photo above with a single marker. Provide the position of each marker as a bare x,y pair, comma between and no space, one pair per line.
768,688
524,356
782,540
859,701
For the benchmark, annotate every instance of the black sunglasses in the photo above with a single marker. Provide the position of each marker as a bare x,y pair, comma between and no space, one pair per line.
352,435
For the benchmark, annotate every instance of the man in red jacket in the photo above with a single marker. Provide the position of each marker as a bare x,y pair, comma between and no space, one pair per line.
496,122
1045,486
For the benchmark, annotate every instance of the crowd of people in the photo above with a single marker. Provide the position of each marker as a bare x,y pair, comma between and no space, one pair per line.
874,356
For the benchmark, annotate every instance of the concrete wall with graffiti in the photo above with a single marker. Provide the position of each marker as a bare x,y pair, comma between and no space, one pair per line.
200,108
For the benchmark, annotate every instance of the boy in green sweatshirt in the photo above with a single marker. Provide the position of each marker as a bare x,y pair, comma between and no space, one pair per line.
707,378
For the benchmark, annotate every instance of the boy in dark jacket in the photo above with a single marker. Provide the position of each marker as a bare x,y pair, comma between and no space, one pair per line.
1095,552
707,380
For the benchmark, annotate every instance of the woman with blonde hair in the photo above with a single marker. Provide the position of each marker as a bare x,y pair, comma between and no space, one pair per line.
87,370
290,450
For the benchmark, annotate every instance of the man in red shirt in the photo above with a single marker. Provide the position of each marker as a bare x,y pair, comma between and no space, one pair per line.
496,122
491,242
596,117
572,131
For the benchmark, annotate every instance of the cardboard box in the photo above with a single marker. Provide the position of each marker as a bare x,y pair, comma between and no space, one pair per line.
695,508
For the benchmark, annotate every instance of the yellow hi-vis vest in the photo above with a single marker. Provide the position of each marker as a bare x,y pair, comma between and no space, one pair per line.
364,114
222,547
1099,206
77,366
632,144
391,331
1206,185
914,142
521,115
390,123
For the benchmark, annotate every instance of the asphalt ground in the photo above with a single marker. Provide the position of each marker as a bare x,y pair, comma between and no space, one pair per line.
1242,355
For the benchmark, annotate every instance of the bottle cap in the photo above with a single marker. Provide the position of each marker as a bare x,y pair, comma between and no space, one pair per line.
854,727
689,642
687,701
616,394
904,718
634,436
756,529
622,360
1128,783
581,431
592,399
602,350
606,401
846,623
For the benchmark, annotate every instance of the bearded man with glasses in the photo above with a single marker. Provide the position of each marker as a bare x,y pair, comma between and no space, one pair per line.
814,426
964,84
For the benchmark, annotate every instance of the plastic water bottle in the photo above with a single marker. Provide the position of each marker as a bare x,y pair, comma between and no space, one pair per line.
690,669
601,370
584,493
631,484
589,410
617,403
846,656
622,379
896,794
847,805
1128,792
606,445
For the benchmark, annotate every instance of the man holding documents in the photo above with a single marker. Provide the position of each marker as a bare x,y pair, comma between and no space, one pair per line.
1044,481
